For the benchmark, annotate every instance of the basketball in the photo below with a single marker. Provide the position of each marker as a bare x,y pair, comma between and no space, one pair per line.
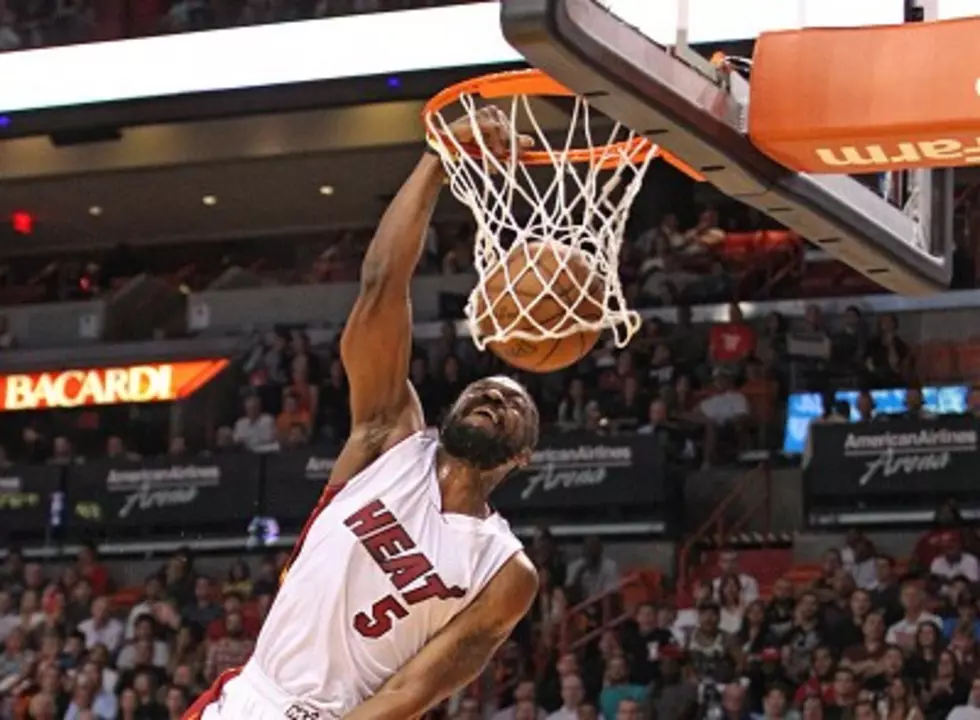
541,265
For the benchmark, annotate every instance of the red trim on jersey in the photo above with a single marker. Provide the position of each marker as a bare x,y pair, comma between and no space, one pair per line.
195,711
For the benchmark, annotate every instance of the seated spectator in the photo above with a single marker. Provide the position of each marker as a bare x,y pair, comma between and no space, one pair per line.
930,546
14,660
849,345
89,567
728,565
90,699
292,414
204,610
592,574
775,706
886,594
714,653
900,702
572,699
970,710
904,632
866,658
965,618
230,651
731,343
9,620
858,558
921,663
725,414
823,585
888,356
238,579
177,702
844,695
145,631
177,450
754,636
945,689
139,660
571,409
152,593
781,608
232,603
62,453
298,436
820,681
616,688
731,603
525,704
115,449
953,562
915,406
803,637
101,628
255,430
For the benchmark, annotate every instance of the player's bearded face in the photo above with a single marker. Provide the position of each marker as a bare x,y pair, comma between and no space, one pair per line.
482,446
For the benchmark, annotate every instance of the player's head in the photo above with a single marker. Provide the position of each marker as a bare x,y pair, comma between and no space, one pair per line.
493,425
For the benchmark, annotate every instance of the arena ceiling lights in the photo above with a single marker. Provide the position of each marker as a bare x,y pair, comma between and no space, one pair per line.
357,46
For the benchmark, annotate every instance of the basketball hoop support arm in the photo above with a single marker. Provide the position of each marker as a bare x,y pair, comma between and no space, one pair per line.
682,48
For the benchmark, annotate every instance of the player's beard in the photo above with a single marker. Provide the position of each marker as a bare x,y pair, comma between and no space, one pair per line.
476,446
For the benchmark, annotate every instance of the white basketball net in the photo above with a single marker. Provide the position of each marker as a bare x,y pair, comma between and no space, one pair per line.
584,205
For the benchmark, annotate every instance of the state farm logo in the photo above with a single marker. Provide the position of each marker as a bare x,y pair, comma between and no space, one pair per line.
941,151
887,454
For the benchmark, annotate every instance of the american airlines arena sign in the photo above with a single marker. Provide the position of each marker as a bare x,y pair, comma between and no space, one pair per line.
334,48
146,383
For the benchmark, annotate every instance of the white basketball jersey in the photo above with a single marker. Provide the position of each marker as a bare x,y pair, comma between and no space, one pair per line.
382,569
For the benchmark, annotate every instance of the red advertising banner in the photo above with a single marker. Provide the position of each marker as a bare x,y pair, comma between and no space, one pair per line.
146,383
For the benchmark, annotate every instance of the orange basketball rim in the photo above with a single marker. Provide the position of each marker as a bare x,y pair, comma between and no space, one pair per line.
535,83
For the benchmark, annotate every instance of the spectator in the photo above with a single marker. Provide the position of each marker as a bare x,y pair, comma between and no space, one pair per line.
203,611
302,387
238,579
152,593
178,702
866,658
970,710
89,567
115,449
900,702
887,591
146,632
731,603
954,562
727,565
803,637
965,618
177,449
592,574
255,430
232,650
754,636
714,654
644,640
844,695
945,689
524,697
915,406
90,698
572,698
616,687
62,452
776,706
725,414
904,632
675,696
888,355
731,343
733,704
102,628
628,709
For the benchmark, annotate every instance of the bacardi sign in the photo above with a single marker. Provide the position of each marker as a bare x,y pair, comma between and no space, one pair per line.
156,382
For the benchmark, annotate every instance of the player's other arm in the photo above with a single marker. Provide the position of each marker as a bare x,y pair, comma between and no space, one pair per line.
457,655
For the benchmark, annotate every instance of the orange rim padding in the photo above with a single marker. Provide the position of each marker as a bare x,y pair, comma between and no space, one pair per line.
869,99
536,83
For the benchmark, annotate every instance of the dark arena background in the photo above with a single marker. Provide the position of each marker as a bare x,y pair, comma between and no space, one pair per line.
763,506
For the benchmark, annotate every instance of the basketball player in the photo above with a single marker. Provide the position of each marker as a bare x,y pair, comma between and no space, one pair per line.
404,581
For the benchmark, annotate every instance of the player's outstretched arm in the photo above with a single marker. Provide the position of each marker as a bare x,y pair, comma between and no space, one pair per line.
457,655
376,343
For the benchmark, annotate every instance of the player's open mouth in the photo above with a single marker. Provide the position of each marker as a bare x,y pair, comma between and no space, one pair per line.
488,413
